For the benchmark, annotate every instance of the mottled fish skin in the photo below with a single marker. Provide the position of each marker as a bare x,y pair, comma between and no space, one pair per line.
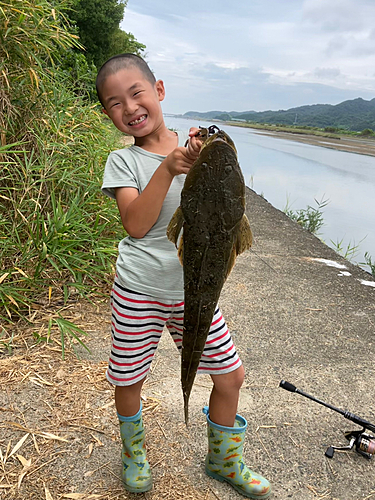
215,231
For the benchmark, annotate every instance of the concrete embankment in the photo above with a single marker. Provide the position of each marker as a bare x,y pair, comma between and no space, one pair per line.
300,312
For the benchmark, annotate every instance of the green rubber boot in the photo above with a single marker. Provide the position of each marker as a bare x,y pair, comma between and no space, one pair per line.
224,460
136,473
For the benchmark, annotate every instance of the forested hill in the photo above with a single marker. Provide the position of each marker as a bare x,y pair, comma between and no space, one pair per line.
356,114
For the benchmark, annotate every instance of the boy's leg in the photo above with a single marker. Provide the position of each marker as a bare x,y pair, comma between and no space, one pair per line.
225,428
128,398
224,397
136,472
137,325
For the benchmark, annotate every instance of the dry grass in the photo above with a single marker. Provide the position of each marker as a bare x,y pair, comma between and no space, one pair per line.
58,427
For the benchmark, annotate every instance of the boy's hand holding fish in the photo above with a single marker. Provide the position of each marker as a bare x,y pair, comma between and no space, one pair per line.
180,160
140,211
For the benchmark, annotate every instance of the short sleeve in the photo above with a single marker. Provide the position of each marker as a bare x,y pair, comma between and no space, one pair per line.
118,172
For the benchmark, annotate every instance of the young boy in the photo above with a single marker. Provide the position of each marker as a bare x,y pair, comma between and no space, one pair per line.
146,180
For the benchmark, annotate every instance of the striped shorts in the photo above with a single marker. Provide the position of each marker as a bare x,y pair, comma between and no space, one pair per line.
137,325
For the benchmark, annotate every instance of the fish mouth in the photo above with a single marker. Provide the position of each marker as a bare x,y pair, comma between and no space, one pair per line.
137,121
219,138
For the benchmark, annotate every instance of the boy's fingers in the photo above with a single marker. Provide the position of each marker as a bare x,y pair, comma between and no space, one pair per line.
195,144
193,131
192,151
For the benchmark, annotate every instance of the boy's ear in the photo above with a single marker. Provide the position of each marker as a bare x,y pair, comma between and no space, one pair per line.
105,111
160,90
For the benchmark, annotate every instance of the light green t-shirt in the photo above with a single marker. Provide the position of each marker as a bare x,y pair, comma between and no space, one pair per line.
150,264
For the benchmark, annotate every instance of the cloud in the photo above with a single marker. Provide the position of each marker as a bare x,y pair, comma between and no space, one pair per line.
334,15
327,72
260,55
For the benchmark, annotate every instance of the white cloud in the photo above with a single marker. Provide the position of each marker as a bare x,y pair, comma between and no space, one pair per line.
335,15
258,55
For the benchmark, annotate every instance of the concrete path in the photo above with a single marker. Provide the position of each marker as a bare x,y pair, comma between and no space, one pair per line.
300,312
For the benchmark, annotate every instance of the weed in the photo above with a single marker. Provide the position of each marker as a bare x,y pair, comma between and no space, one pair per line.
57,231
310,218
351,250
7,342
369,262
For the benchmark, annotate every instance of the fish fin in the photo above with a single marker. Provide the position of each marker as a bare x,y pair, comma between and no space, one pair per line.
243,241
180,251
231,261
175,226
244,238
186,408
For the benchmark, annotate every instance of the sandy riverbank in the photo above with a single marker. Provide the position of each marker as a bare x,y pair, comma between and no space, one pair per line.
350,145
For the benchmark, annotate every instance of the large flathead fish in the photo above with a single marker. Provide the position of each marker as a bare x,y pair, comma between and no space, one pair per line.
215,231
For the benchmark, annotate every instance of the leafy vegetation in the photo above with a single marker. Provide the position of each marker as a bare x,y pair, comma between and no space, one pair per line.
311,218
98,27
58,234
349,252
353,115
369,262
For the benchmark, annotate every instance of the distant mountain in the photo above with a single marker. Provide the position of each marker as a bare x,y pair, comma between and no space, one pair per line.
356,114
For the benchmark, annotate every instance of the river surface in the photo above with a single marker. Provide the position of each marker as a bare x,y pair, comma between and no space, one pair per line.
295,174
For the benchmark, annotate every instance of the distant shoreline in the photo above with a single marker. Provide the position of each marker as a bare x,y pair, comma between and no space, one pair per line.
348,144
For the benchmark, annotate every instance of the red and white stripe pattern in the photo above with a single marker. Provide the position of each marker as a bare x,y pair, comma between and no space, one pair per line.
137,324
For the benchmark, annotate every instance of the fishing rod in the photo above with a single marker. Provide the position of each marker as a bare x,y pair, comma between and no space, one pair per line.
364,443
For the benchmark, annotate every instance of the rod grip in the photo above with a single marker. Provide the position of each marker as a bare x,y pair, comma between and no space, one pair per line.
288,386
359,420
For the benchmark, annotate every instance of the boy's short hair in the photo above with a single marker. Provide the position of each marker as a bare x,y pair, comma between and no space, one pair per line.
122,61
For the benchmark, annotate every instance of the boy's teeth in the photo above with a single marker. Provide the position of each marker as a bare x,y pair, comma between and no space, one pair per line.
141,119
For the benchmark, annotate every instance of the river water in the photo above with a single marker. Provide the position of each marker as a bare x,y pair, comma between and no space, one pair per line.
296,174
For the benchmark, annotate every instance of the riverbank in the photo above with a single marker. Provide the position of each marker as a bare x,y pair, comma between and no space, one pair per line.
348,144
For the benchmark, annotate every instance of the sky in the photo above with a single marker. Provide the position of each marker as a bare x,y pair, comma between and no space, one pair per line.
256,54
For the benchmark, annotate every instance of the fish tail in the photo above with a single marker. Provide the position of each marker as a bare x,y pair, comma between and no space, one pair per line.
186,408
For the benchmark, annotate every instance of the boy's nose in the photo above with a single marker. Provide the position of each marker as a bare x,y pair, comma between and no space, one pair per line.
130,108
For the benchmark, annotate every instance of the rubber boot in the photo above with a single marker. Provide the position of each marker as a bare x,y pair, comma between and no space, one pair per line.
224,460
136,473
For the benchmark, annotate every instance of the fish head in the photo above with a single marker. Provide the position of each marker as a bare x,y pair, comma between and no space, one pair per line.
217,138
217,161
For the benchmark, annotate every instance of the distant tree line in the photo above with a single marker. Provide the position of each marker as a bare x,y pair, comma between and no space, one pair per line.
353,115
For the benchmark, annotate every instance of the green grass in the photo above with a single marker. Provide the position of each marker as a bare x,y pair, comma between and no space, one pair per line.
327,132
369,262
349,252
58,233
291,129
310,218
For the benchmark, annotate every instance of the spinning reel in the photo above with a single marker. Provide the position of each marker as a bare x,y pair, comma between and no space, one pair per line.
363,442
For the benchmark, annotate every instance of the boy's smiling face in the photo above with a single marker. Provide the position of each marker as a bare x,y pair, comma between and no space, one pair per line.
132,102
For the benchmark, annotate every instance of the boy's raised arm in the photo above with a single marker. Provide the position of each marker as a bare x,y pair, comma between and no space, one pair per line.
139,212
